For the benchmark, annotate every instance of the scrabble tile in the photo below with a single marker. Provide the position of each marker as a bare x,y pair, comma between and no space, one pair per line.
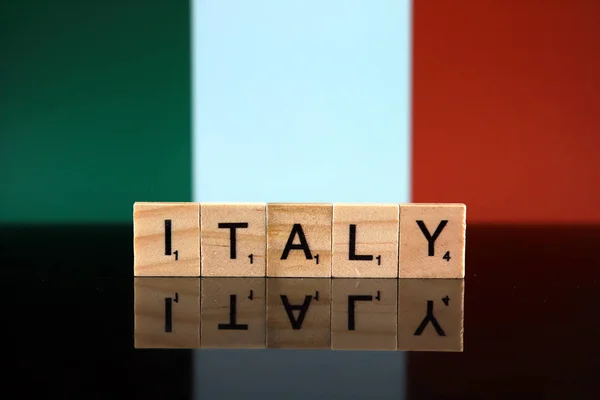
298,313
233,313
234,239
166,239
167,313
365,241
299,240
431,314
432,240
364,314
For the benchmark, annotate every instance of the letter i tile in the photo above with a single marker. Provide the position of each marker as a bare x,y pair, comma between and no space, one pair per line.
166,239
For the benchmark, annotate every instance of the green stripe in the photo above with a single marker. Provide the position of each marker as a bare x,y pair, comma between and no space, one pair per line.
94,108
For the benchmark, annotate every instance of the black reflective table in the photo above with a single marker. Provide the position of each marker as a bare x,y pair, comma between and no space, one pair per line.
531,327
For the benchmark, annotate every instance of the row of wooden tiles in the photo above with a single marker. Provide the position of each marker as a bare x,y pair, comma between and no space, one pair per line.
339,314
300,240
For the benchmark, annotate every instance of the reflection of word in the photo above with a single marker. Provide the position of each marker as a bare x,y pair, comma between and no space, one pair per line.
302,309
300,240
377,314
429,317
233,316
352,306
169,312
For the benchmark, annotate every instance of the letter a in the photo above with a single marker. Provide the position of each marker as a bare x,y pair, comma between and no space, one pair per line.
296,230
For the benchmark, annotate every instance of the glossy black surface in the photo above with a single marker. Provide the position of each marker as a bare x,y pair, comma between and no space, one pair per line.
531,327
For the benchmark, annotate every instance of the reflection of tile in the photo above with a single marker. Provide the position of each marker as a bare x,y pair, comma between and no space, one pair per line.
365,241
298,313
353,314
167,312
432,240
364,314
166,239
430,314
234,239
233,313
299,240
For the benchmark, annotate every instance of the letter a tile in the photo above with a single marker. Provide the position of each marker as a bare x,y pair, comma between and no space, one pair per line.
365,241
234,239
432,240
166,239
299,240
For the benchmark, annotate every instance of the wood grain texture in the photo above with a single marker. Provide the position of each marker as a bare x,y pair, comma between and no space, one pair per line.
243,224
425,301
365,241
294,221
423,254
167,313
298,313
233,313
153,256
373,322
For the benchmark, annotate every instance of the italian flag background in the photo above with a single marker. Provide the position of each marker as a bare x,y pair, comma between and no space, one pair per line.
490,103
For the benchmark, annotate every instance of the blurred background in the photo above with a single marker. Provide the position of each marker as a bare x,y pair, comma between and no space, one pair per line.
505,109
95,108
485,102
491,103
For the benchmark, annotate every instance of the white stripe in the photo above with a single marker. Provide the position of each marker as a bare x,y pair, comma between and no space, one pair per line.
300,101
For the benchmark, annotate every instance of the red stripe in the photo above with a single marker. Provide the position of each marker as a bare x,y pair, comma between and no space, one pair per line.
506,109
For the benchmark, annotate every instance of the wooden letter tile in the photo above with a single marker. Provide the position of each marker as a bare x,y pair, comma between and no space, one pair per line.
365,241
167,313
234,239
166,239
233,313
299,240
432,240
298,313
364,314
430,314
